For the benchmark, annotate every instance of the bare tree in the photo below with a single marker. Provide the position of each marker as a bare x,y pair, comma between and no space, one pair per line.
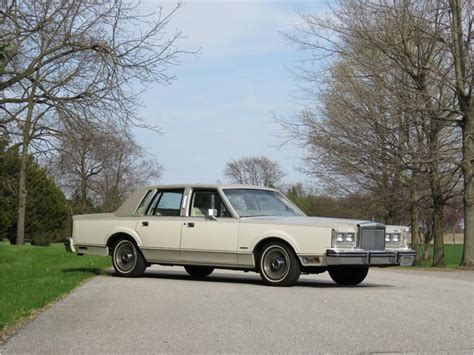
459,45
77,162
391,120
77,59
127,168
256,170
99,168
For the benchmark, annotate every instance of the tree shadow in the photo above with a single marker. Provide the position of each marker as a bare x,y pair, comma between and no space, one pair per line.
89,270
244,278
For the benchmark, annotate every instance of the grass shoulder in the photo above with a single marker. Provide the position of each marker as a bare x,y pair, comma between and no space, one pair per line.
452,257
32,277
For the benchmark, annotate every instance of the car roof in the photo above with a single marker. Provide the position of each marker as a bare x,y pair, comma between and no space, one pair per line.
209,186
130,204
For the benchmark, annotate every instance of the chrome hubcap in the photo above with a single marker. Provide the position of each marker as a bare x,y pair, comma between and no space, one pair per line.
125,256
275,263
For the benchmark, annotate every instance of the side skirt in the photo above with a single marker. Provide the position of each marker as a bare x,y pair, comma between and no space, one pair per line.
229,260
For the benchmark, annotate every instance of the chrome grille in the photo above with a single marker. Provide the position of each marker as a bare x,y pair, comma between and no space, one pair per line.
371,236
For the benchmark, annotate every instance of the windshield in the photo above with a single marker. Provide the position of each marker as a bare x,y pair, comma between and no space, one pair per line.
251,203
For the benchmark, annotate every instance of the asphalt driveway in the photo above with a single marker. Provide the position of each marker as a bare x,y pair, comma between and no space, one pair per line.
393,311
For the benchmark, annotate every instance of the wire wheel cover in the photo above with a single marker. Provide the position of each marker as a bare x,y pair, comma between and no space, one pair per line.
276,263
125,256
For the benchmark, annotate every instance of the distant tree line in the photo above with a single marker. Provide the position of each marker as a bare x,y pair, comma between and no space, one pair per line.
256,170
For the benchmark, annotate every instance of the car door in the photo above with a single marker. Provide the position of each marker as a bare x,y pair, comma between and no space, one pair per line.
209,241
160,226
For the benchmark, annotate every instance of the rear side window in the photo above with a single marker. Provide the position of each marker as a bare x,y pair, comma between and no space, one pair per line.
144,203
166,203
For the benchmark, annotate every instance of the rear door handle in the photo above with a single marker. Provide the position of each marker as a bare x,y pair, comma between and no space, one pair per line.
145,223
190,224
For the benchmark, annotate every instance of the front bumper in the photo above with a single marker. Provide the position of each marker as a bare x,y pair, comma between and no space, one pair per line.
69,245
386,257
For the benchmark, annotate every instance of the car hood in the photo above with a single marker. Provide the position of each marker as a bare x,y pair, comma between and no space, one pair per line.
305,221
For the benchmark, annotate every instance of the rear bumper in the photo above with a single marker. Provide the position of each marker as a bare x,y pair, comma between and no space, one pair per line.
69,245
386,257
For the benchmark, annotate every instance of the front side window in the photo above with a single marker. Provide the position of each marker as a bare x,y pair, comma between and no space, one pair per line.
203,201
252,203
166,203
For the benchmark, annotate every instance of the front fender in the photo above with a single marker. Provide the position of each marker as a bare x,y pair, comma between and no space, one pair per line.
286,237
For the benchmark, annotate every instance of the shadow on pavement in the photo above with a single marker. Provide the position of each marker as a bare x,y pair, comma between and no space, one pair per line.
90,270
244,279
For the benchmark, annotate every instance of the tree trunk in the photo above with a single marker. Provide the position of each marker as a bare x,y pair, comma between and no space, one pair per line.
22,193
438,236
22,189
468,155
462,59
427,240
83,197
415,226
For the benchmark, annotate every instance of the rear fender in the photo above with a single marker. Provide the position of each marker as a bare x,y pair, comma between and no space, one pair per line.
123,230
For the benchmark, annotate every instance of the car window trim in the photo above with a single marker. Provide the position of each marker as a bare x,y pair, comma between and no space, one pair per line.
191,200
158,191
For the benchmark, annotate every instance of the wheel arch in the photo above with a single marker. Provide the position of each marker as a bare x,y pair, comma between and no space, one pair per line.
115,237
257,250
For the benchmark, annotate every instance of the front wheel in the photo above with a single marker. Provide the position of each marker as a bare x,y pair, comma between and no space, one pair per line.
278,265
127,259
348,275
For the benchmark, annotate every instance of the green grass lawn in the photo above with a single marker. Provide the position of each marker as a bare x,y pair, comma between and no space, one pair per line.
452,255
31,277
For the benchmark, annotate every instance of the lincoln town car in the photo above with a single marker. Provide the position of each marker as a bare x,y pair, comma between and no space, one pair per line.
239,227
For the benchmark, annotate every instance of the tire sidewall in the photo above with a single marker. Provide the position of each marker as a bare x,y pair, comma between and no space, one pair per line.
136,253
292,273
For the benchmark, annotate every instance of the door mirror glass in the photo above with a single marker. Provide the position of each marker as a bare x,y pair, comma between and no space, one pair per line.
212,214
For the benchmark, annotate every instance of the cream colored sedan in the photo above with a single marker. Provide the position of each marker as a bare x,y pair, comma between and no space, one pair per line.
250,228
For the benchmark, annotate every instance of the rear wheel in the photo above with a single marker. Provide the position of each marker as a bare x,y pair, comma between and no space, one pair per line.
348,275
278,265
198,271
127,259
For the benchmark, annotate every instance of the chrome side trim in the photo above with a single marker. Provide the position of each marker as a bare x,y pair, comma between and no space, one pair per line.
90,249
199,257
161,254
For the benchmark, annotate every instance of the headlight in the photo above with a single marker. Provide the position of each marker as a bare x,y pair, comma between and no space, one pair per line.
396,238
343,240
350,237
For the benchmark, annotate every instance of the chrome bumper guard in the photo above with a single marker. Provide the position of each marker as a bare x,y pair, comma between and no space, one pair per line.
371,258
69,245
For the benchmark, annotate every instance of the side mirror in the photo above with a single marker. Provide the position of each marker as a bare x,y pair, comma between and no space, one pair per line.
212,214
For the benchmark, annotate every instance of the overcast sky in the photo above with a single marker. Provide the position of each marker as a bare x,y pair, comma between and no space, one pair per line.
220,106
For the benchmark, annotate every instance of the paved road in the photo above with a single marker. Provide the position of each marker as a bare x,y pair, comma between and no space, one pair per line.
392,311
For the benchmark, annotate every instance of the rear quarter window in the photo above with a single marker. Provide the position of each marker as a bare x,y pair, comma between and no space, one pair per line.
144,203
